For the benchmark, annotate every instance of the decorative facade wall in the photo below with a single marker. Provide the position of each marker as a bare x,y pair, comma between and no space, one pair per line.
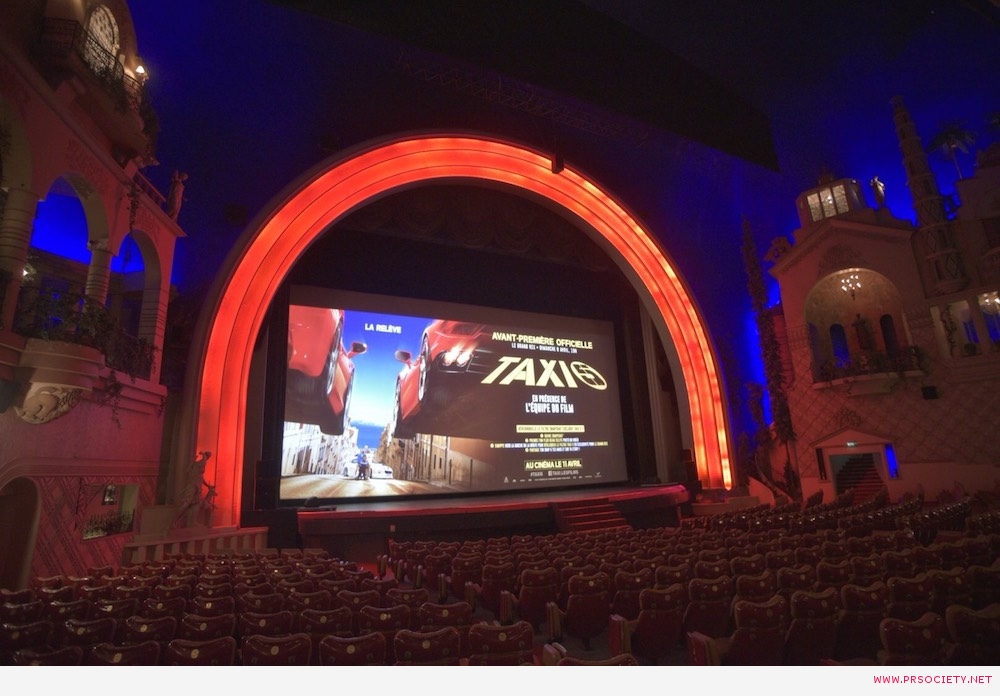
916,370
81,332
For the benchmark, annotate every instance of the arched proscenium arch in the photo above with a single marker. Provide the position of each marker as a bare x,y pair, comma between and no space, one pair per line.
307,212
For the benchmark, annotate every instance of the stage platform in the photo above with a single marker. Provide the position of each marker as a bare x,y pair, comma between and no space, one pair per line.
361,530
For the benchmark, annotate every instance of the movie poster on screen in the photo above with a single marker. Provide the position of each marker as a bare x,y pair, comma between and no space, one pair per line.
486,401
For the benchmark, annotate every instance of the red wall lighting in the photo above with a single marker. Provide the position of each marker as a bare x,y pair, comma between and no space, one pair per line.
216,410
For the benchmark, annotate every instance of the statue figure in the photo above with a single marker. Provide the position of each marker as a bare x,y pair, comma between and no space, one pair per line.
191,502
878,188
865,339
176,196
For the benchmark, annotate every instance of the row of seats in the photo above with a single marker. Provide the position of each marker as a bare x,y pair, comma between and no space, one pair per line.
526,577
960,636
526,581
220,611
491,645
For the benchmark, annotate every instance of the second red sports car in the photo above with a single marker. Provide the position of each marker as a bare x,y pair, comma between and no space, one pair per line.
449,350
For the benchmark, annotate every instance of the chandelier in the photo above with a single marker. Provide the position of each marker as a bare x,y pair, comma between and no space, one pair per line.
850,283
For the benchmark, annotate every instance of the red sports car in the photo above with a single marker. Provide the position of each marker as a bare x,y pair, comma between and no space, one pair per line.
449,351
320,369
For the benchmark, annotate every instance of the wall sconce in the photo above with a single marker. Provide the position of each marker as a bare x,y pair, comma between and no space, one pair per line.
140,71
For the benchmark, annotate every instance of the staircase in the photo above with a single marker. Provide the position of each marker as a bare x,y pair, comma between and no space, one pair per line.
860,475
588,516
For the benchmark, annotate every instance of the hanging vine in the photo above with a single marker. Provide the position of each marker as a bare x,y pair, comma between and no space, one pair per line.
770,347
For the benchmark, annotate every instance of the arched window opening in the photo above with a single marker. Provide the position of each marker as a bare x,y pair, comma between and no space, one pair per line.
819,357
101,48
889,338
127,286
841,353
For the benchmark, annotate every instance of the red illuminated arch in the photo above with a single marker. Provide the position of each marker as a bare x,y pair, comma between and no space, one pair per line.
308,211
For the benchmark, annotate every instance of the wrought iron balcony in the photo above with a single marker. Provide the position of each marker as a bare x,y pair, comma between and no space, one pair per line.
867,364
116,100
74,318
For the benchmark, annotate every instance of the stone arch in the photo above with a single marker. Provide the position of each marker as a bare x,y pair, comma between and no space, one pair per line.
94,207
216,405
155,291
831,302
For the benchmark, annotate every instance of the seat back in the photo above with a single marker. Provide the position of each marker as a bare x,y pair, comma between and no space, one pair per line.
59,610
747,565
22,612
368,649
812,633
138,629
465,567
296,602
623,660
587,609
490,644
949,587
137,654
756,588
212,606
923,641
497,578
355,601
380,585
909,597
86,633
273,651
975,633
628,586
457,614
440,647
710,570
67,656
154,607
862,610
667,575
263,602
253,623
659,625
411,597
387,621
35,635
538,588
200,628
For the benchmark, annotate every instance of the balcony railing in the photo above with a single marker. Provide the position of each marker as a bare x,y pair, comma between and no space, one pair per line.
74,318
869,362
63,39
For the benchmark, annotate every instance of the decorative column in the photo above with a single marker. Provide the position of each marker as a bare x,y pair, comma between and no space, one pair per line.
99,272
15,238
944,260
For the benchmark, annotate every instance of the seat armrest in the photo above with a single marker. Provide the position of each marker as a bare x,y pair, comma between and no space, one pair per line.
552,653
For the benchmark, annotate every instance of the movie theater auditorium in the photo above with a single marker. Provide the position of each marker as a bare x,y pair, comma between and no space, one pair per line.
185,491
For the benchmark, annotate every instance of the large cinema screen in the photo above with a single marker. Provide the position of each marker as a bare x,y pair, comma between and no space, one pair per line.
397,397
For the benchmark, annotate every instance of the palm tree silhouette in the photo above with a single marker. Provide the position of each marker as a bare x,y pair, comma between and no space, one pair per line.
993,121
952,138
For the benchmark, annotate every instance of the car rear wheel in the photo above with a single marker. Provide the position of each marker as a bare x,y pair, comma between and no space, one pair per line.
423,383
398,427
336,423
